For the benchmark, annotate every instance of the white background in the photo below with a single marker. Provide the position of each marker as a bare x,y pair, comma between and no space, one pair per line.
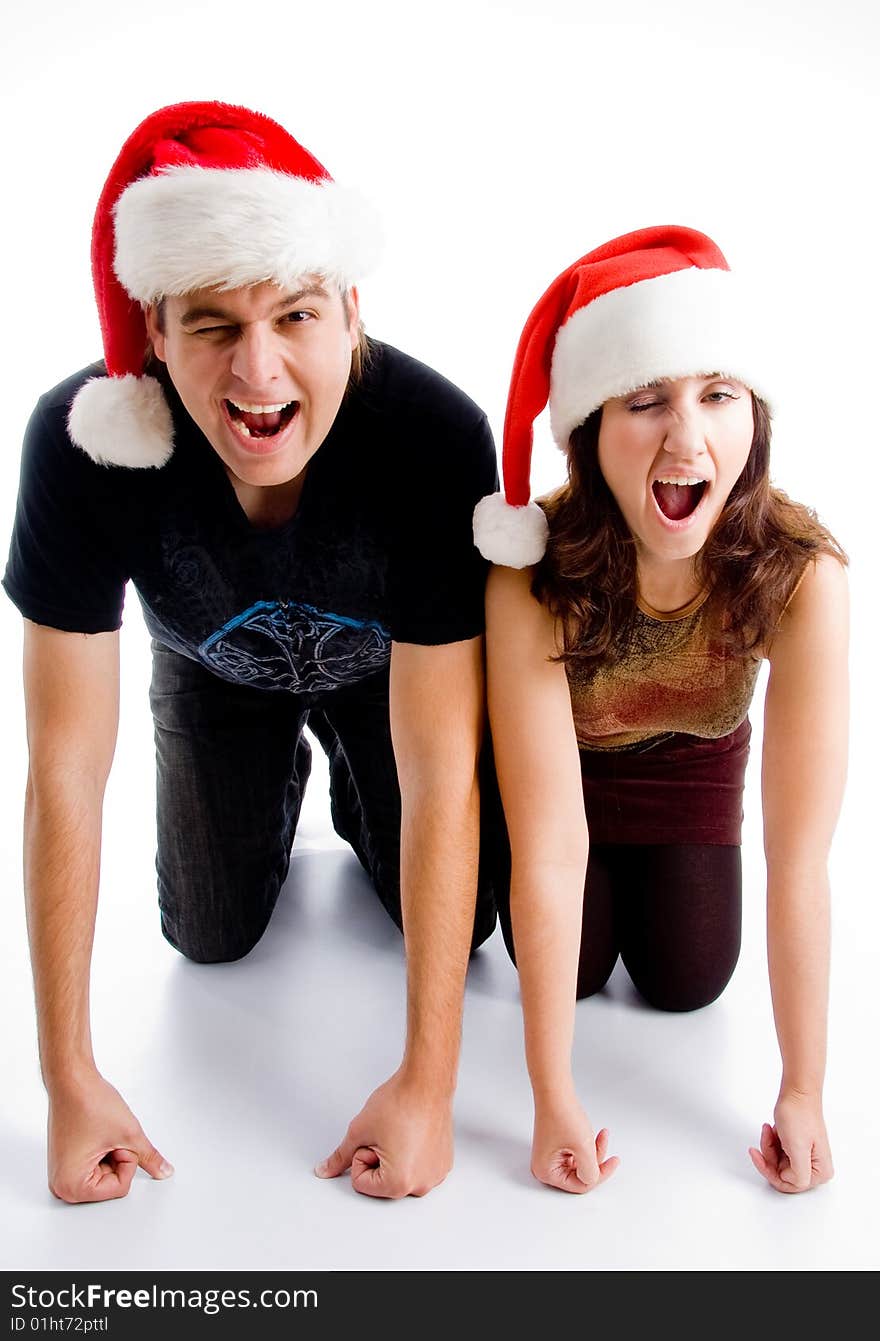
500,141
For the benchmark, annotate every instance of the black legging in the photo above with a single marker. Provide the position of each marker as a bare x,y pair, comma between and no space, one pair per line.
673,913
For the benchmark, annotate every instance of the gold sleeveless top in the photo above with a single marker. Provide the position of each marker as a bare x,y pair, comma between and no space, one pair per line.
677,675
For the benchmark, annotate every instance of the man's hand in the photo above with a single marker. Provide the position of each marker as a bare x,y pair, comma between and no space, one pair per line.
399,1145
565,1153
794,1155
96,1143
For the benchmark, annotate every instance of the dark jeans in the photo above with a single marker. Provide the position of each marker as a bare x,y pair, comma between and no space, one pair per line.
673,912
232,766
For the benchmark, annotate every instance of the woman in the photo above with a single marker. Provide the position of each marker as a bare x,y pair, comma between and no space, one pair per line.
625,630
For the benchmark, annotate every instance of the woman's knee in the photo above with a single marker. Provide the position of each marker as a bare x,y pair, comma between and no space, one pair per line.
485,917
677,991
593,975
681,924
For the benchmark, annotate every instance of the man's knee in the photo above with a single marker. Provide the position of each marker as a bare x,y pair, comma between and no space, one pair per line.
208,929
210,945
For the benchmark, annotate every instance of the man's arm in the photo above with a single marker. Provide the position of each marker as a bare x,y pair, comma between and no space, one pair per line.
71,685
401,1142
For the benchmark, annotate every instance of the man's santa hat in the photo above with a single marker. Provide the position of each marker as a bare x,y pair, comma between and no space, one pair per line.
658,303
202,195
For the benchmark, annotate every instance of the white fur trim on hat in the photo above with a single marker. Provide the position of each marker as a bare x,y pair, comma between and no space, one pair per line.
198,228
679,325
513,537
122,421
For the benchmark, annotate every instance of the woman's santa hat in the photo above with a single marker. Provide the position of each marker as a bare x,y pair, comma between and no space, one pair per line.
655,304
202,195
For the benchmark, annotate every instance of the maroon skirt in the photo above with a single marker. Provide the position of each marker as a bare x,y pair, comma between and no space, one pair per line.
678,789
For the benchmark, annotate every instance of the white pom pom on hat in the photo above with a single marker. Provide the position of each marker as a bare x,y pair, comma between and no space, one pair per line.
657,303
122,421
514,537
202,195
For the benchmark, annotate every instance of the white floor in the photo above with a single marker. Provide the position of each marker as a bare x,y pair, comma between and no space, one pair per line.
244,1075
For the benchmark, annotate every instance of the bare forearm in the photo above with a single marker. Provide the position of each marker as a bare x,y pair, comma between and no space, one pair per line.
545,907
798,943
439,859
62,839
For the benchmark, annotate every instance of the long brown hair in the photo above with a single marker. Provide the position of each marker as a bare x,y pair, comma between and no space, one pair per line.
751,561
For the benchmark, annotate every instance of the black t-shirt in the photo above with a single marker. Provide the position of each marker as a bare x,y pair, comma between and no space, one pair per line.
379,549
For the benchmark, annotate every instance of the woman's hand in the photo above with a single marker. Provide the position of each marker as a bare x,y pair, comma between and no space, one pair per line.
565,1154
795,1154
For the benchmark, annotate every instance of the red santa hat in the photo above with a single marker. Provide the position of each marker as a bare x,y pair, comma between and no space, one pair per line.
657,303
202,195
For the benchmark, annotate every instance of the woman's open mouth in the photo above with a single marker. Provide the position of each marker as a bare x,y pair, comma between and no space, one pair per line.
678,498
260,421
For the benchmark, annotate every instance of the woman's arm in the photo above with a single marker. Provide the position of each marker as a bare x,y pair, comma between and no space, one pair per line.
539,776
804,769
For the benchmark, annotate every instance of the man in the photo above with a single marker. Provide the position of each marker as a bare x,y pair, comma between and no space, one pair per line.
292,503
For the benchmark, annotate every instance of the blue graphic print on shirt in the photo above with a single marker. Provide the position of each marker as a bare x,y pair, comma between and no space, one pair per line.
292,646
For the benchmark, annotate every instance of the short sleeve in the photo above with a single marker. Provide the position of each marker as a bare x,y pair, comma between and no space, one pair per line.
63,569
438,576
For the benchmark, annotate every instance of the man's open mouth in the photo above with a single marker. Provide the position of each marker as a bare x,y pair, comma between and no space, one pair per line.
261,421
677,498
